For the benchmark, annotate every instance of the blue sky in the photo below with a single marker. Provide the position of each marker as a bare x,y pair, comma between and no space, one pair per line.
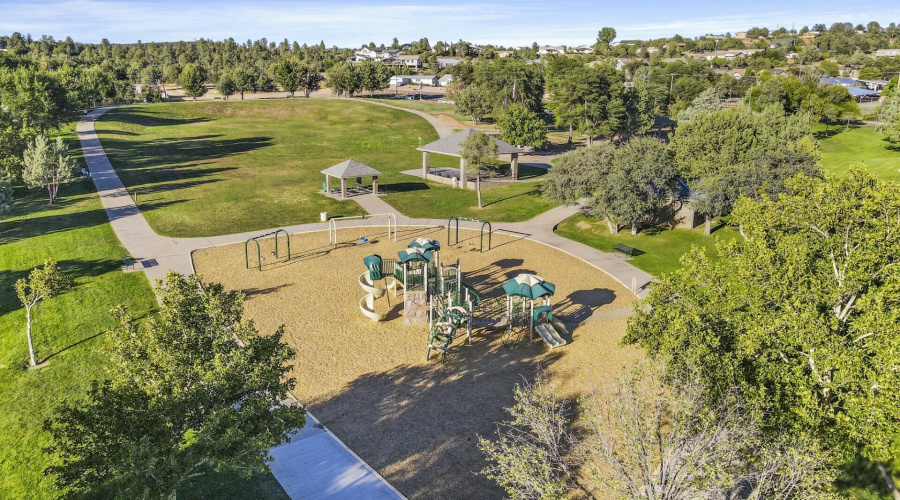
352,22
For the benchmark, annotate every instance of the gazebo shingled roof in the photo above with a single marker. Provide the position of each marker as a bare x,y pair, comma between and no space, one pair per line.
452,144
350,169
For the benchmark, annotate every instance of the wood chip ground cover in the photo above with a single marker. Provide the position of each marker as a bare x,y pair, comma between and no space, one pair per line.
417,422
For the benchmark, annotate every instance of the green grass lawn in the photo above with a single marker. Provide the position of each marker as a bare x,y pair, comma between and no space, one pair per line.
660,250
213,168
428,106
842,148
68,331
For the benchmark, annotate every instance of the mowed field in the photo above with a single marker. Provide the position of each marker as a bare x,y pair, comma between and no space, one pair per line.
210,168
842,147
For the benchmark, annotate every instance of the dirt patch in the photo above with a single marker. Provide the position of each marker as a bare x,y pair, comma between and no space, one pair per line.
417,422
584,225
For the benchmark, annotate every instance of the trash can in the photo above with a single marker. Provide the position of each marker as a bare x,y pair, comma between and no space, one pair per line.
455,182
323,216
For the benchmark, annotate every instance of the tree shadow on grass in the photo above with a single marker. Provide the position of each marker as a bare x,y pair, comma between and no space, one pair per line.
147,117
419,424
403,187
526,193
130,155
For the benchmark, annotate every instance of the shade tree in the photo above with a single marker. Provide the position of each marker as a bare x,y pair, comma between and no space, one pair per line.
800,315
192,391
47,164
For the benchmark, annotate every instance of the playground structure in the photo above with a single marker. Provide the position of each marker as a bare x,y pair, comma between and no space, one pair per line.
434,293
259,257
367,281
481,231
333,227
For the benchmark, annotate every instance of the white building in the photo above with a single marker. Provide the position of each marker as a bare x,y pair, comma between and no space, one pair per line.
546,50
376,54
887,52
400,80
445,80
582,49
444,62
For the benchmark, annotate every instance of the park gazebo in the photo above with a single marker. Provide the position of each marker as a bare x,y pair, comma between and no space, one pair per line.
452,146
350,169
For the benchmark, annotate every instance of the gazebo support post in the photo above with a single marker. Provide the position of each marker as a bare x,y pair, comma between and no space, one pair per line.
343,188
463,176
375,185
327,184
425,157
514,166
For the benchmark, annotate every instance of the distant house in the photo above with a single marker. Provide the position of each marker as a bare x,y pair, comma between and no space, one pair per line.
843,82
445,80
877,85
582,49
728,55
376,54
740,34
652,50
400,80
546,50
412,61
887,52
444,62
782,42
504,53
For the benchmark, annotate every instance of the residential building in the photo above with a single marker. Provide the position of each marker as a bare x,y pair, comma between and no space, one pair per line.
445,80
444,62
412,61
400,80
887,52
547,50
728,55
582,49
376,54
504,53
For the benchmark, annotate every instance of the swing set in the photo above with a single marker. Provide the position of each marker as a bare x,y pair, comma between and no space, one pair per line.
483,223
259,257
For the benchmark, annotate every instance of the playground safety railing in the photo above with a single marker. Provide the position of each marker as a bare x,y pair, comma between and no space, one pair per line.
333,227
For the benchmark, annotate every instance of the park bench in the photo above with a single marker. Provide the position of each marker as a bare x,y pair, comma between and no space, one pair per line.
627,250
128,263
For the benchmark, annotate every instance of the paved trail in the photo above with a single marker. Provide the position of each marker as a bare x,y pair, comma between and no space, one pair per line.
315,463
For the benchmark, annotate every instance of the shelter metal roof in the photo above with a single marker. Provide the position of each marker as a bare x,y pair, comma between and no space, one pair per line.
452,144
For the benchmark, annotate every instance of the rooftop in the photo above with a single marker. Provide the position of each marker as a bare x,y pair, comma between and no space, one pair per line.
350,169
452,144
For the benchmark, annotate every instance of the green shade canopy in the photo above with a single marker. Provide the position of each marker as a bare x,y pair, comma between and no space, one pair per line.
529,286
414,255
425,244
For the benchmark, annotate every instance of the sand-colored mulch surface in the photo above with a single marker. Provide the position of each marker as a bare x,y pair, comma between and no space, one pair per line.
416,422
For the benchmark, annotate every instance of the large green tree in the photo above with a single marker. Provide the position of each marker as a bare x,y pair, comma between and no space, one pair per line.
522,127
289,74
733,152
193,80
639,182
193,390
802,314
47,164
589,99
474,101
